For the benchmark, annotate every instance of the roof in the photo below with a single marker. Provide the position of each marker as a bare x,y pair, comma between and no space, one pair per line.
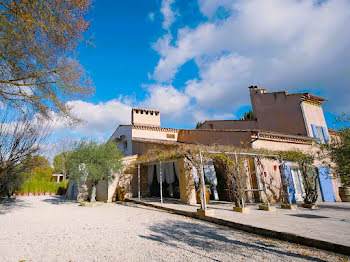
257,133
155,128
305,96
157,141
232,120
333,131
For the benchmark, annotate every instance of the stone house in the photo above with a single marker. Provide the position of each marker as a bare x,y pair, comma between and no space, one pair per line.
282,122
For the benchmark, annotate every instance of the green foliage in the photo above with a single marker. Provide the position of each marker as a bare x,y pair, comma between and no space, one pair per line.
339,152
33,168
92,161
310,175
60,163
37,185
199,124
248,115
297,156
12,182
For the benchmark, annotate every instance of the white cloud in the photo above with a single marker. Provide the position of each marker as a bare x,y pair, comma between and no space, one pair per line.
99,120
280,44
209,7
168,14
168,100
220,81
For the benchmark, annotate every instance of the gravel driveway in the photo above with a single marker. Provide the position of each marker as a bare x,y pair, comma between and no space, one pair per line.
51,229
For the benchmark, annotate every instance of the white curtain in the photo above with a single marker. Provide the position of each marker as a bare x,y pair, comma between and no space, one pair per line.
195,174
150,174
176,170
210,175
169,172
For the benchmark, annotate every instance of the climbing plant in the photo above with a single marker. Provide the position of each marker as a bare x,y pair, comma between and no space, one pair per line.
309,174
234,171
232,166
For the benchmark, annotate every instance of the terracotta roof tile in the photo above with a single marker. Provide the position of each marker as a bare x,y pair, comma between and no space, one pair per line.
155,128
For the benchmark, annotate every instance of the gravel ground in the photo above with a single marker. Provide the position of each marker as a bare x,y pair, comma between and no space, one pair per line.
50,229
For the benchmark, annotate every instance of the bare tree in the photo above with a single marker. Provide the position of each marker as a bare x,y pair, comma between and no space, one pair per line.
38,66
21,138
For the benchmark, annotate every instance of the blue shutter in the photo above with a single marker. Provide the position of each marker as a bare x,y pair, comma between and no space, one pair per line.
326,185
314,131
325,134
288,180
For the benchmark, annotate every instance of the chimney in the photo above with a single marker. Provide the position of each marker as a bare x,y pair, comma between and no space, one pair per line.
146,117
256,90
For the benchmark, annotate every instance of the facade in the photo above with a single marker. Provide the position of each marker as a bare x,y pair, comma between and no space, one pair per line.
145,126
282,122
298,114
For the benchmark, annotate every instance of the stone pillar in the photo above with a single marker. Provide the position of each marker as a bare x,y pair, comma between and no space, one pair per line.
186,182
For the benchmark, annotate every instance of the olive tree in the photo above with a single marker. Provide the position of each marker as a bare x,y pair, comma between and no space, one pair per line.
91,161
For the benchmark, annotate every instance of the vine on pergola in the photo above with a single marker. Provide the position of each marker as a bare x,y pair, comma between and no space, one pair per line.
231,161
232,166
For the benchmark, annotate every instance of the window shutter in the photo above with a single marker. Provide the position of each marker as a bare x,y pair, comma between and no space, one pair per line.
325,134
287,181
314,131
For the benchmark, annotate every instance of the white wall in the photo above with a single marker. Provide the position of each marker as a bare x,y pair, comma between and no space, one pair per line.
127,132
313,115
154,134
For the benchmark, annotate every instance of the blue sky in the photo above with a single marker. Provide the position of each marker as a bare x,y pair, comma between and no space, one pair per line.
193,60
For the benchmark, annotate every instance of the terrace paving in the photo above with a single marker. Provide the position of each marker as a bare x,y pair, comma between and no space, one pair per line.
331,222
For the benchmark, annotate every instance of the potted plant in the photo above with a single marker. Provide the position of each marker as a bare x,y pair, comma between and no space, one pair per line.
207,194
344,191
310,177
121,193
338,150
52,189
41,188
30,188
25,189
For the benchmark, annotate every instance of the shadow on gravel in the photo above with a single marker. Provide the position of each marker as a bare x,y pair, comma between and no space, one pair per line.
200,236
8,205
58,200
308,216
336,207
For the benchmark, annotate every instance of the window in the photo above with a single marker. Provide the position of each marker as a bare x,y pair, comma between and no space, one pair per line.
320,132
125,144
172,136
297,183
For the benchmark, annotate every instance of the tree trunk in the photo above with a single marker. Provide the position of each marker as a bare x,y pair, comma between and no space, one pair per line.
93,193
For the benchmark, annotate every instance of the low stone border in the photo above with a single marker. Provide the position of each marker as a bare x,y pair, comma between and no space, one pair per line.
293,238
